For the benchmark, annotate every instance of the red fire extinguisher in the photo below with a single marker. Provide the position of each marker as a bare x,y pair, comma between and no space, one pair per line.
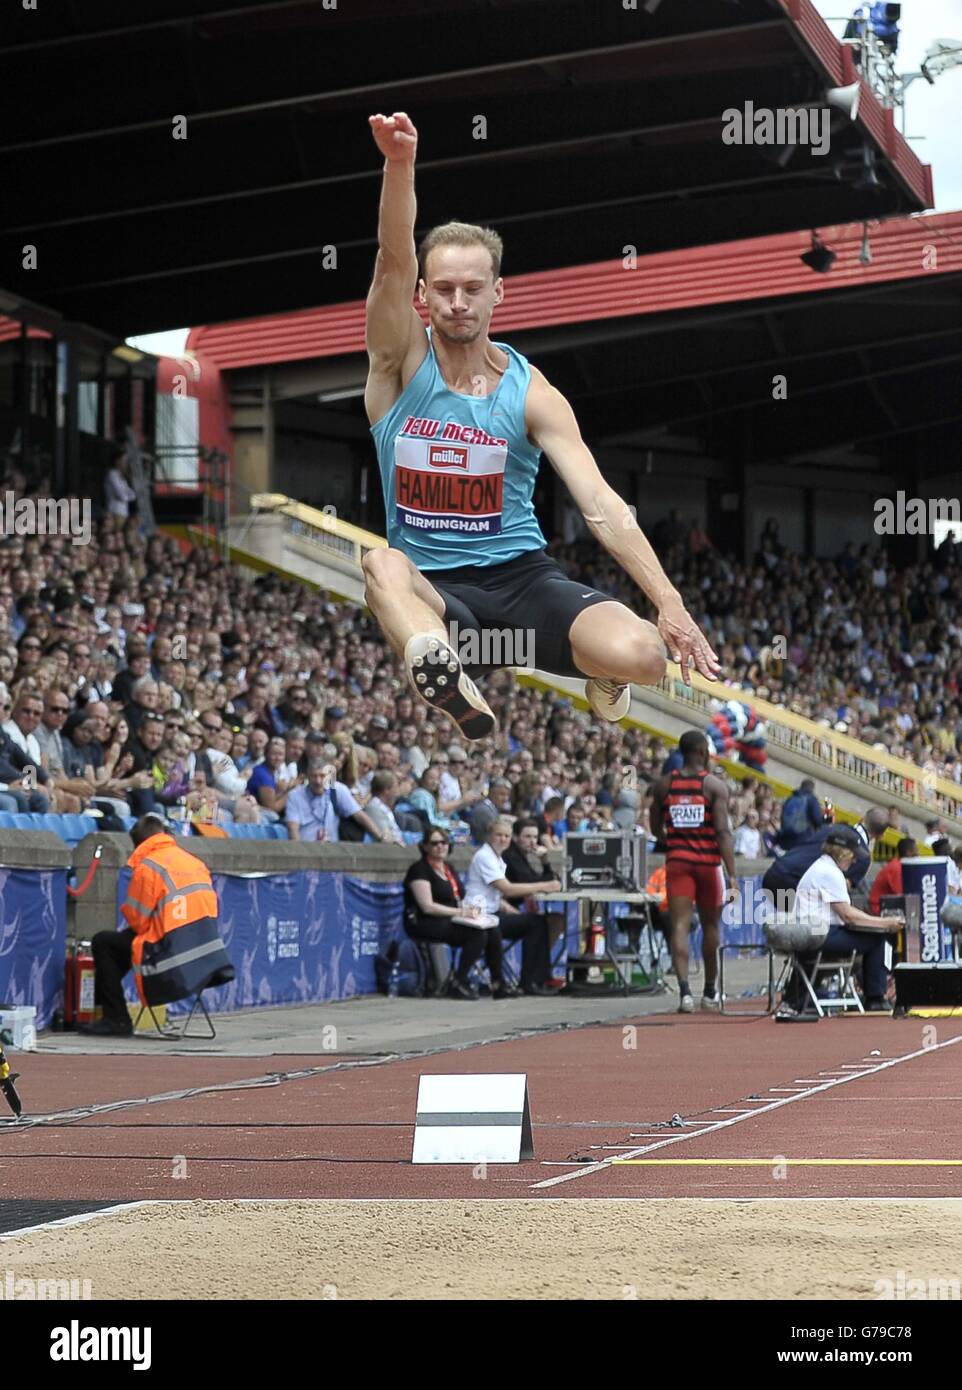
596,935
78,994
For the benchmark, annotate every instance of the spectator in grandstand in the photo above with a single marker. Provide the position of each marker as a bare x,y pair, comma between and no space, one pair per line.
257,742
138,666
424,798
801,816
433,895
267,784
20,732
144,695
410,753
955,872
295,746
118,491
934,830
497,803
488,887
315,811
823,890
888,880
380,807
451,797
239,750
748,837
228,780
142,747
552,822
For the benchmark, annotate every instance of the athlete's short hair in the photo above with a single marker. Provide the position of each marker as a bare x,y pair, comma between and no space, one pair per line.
462,234
691,742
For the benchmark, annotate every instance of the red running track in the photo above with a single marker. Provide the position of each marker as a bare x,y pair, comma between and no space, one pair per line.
348,1132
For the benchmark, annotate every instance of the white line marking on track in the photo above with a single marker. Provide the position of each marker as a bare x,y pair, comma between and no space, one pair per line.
821,1088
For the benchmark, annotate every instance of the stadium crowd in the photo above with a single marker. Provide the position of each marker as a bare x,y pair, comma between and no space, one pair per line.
869,650
135,676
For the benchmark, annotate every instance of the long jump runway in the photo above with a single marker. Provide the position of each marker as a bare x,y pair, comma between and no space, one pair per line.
684,1113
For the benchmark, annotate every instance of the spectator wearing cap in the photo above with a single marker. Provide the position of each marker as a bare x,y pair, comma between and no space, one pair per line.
787,871
377,727
888,880
314,810
334,717
824,892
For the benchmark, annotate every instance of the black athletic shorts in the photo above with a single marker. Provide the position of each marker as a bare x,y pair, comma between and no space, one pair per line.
516,614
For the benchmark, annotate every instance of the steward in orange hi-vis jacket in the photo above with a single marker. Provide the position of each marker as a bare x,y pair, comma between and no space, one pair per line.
172,940
172,906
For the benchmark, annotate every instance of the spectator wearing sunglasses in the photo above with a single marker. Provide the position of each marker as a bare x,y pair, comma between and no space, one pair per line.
433,895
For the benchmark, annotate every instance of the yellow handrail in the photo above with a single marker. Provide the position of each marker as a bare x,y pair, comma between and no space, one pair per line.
877,768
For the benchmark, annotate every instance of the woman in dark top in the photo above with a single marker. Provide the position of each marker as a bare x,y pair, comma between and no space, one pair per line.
432,896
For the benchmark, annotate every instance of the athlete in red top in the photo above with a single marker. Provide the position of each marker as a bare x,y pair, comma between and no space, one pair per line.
690,813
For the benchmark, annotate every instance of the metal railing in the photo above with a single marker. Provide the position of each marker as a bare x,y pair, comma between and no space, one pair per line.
881,772
323,534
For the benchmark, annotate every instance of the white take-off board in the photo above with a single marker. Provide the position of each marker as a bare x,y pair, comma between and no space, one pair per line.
473,1119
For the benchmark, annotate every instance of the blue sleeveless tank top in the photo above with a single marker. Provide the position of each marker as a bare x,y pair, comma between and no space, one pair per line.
458,471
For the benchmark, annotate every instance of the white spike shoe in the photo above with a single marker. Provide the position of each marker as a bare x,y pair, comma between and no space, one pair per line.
435,671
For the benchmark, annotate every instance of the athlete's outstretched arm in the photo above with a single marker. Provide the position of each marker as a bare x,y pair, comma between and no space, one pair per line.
551,423
392,321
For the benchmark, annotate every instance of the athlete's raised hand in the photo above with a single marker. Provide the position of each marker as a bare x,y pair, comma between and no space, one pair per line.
686,643
395,136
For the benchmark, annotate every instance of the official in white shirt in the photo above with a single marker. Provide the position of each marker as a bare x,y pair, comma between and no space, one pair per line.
487,886
823,891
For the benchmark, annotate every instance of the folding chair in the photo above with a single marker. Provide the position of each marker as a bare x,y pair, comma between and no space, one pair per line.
827,963
222,977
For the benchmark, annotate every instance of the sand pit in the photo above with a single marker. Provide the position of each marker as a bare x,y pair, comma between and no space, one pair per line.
540,1249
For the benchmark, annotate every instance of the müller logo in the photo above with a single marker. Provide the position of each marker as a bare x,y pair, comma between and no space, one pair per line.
447,456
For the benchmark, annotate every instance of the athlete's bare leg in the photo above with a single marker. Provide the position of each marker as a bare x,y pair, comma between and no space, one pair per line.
411,613
679,915
400,597
711,940
610,641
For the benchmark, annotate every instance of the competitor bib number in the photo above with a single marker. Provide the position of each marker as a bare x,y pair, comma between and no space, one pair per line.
687,817
441,486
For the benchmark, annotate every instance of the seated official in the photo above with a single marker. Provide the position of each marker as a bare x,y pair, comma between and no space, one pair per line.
523,860
823,889
432,896
171,939
488,886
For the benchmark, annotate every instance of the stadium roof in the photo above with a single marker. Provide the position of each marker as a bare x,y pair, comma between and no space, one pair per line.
687,344
603,131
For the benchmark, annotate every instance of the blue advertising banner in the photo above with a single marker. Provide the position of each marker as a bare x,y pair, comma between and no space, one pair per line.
928,877
33,937
301,938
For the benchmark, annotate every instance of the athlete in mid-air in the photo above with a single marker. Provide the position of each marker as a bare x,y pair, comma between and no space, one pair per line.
460,423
